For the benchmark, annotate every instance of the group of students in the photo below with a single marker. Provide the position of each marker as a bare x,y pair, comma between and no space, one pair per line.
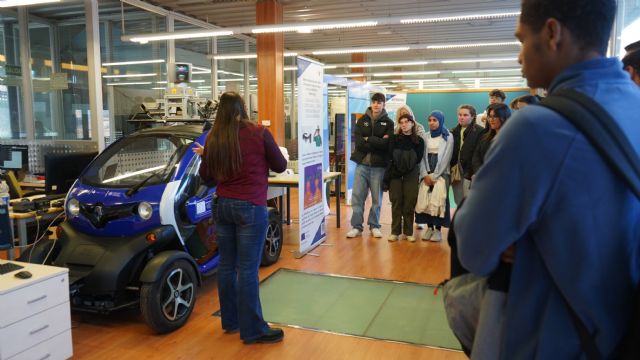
407,157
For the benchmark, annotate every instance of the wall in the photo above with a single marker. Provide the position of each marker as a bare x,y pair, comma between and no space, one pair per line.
423,103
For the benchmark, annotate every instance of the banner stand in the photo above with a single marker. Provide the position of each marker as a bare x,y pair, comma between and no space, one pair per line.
311,140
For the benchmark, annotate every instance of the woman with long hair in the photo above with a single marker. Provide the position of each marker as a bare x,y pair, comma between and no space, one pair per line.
238,155
407,149
497,115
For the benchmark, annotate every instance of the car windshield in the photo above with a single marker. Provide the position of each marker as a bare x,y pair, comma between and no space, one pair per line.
134,159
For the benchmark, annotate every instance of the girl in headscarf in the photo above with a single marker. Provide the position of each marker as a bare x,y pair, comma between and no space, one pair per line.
435,166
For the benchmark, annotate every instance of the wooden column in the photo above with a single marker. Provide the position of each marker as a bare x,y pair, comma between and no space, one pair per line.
359,58
270,63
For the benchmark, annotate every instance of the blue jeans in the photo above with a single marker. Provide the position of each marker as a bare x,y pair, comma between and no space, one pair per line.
367,178
241,228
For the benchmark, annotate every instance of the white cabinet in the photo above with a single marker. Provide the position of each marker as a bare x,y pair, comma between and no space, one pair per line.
35,321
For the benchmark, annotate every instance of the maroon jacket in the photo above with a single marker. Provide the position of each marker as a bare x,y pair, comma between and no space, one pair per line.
259,154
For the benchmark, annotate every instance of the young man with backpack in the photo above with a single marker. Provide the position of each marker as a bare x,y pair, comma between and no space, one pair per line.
548,202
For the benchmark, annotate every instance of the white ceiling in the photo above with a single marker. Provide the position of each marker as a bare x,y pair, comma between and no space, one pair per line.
238,13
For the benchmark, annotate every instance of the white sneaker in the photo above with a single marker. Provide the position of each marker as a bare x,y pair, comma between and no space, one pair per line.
376,233
392,238
419,226
354,232
436,236
426,235
411,238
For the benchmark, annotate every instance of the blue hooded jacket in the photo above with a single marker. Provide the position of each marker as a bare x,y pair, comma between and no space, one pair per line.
574,223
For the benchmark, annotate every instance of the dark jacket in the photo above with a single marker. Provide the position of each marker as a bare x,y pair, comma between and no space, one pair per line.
480,152
375,144
405,155
471,137
405,158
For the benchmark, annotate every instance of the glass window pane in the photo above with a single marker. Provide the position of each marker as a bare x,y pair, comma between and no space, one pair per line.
129,85
12,124
45,119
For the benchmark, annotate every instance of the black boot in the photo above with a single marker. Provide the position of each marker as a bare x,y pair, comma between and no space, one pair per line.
272,335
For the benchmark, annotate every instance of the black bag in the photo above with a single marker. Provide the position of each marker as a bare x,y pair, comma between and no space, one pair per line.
607,137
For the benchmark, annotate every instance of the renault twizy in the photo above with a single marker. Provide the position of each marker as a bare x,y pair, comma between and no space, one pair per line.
138,230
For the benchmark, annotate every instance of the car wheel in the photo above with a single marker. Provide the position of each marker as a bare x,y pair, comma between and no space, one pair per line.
273,241
167,303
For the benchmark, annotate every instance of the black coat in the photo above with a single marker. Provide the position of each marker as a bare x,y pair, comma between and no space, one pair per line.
375,144
479,154
471,137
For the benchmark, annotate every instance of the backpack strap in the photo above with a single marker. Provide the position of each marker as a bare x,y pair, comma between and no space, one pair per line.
604,134
602,131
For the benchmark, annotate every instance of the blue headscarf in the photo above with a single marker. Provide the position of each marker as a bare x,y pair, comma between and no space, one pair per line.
442,130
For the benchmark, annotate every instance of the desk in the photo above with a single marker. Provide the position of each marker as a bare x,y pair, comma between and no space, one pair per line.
289,181
36,185
23,219
36,319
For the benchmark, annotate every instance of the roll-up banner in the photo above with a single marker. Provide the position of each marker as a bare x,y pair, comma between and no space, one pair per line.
310,155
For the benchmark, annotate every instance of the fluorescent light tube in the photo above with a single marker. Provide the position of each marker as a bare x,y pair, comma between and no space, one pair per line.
133,62
128,75
359,50
129,83
472,45
407,73
311,27
483,70
381,64
9,3
435,19
478,60
143,39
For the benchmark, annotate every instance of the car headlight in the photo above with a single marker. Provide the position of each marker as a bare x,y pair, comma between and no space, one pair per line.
145,210
73,207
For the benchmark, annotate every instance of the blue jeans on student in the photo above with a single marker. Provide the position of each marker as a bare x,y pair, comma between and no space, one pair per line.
241,228
367,178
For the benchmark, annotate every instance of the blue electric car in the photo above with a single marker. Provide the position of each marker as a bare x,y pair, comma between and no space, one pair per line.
138,229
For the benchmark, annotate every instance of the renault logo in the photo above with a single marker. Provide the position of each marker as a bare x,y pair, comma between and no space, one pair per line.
98,212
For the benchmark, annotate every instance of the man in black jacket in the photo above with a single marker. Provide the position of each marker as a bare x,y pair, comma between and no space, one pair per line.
464,154
372,132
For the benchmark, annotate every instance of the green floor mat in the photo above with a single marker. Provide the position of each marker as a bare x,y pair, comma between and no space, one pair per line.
380,309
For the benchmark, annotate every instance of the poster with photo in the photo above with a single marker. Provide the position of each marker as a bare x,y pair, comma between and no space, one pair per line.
310,154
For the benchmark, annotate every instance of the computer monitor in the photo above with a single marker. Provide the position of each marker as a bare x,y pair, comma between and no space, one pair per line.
14,157
61,170
6,236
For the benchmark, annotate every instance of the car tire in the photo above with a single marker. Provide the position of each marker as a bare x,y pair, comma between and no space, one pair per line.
273,240
167,303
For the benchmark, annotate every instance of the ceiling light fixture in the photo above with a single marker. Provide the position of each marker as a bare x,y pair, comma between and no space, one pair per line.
129,83
436,19
408,73
381,64
145,38
472,45
134,62
483,70
360,50
128,76
234,56
10,3
311,27
456,61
